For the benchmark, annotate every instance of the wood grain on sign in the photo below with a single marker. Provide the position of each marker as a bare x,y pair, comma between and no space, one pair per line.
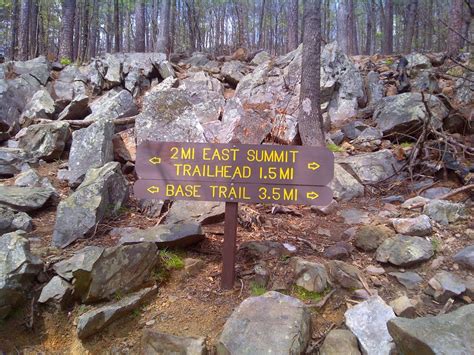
247,163
233,192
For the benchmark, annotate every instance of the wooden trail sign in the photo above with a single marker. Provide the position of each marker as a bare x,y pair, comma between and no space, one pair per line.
249,163
234,173
233,192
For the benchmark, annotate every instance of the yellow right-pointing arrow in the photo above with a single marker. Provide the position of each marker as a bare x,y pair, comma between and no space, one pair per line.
312,195
153,189
155,160
313,166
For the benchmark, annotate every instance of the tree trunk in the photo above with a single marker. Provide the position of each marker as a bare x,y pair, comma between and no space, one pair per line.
172,27
410,25
353,45
67,30
260,26
34,29
140,26
387,45
23,39
371,24
293,25
85,32
94,29
15,24
163,44
342,26
77,30
310,118
455,27
117,46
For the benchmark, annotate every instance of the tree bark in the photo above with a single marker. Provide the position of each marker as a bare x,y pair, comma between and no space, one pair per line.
85,32
353,45
260,26
342,15
94,29
67,30
455,27
310,118
163,44
293,25
23,40
15,24
118,46
410,25
140,26
387,45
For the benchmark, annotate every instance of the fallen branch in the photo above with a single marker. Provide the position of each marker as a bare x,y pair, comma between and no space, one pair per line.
86,123
448,195
321,303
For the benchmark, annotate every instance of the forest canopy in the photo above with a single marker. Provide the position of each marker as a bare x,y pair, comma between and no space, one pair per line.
77,30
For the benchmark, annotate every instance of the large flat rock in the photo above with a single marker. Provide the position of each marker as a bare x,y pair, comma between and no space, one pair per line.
450,333
273,323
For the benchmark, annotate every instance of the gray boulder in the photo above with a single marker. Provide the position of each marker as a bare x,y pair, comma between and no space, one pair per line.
273,323
405,112
77,109
371,167
41,106
309,275
465,257
338,342
160,343
375,89
57,292
91,147
11,221
419,226
37,68
99,273
410,280
344,274
18,271
368,321
444,334
77,269
233,71
260,58
404,250
168,116
445,285
103,192
164,235
113,105
46,140
165,69
344,185
11,161
91,322
199,212
369,238
444,212
14,95
418,61
68,86
119,270
24,198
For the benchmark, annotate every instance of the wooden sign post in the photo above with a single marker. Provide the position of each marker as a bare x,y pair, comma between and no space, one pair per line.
234,173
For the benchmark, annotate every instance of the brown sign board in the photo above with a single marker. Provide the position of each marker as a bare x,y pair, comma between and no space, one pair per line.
233,192
243,163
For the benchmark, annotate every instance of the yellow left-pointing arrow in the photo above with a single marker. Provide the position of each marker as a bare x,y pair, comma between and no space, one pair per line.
155,160
153,189
312,195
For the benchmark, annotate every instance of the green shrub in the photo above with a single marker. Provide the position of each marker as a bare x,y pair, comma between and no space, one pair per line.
334,148
65,61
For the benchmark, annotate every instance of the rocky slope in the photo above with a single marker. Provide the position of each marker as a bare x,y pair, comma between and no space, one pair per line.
391,246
